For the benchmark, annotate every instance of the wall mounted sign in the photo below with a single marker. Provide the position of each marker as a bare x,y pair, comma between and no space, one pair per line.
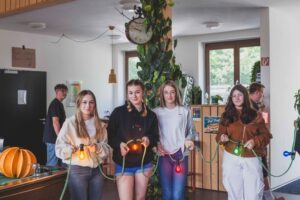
23,57
22,97
211,124
265,61
74,87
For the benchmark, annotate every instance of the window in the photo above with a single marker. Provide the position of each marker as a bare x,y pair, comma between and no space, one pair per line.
131,59
228,63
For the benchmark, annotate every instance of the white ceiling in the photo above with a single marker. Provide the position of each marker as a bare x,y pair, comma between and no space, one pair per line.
86,19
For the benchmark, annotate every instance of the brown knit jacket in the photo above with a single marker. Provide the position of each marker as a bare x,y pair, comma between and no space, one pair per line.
256,130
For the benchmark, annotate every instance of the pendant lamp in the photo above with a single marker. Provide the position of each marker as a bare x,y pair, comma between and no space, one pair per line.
112,78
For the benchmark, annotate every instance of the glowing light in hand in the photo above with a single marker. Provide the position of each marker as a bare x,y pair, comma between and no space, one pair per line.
81,152
135,147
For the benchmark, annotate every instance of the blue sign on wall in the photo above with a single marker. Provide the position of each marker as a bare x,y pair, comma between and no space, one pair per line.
211,124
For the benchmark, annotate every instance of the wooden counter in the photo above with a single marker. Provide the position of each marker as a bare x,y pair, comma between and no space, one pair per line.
37,188
202,174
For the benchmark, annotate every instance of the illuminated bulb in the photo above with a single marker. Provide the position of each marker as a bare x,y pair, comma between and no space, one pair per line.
178,168
237,150
288,153
81,152
135,147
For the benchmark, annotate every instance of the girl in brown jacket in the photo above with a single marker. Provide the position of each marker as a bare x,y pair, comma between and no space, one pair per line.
242,130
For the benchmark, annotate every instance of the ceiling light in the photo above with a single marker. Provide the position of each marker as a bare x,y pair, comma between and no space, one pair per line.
128,5
37,25
212,24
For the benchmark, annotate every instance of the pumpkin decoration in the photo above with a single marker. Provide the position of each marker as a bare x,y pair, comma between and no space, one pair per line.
16,162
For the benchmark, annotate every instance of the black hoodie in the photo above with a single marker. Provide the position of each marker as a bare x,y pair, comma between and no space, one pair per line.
124,126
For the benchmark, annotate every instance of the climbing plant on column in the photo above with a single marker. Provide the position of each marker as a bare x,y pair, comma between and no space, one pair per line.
157,61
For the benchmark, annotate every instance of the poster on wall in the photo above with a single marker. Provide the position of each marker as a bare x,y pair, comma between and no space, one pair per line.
74,87
211,124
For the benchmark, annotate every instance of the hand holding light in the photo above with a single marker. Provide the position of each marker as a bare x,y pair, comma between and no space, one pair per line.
224,138
145,141
81,152
161,149
189,144
249,144
92,148
124,148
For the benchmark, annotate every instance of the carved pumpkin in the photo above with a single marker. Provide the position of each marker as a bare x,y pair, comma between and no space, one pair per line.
16,162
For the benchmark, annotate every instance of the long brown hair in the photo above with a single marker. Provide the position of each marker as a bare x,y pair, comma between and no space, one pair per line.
136,82
80,125
161,93
231,114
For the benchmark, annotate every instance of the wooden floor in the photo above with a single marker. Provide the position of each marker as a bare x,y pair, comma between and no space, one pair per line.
110,193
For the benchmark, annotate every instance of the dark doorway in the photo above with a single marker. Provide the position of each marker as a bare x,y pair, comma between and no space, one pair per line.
23,109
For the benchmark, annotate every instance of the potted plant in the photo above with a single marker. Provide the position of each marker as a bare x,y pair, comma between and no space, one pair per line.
196,95
297,106
255,70
157,63
215,98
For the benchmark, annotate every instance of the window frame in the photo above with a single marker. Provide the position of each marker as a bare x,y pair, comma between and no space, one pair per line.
235,45
128,54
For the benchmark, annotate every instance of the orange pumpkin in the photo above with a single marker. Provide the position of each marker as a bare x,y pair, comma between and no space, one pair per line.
16,162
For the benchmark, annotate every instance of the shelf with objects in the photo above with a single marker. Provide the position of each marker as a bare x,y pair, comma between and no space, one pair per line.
202,173
34,187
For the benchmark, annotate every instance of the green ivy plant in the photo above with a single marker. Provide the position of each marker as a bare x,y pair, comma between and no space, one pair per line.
297,106
254,71
157,64
157,61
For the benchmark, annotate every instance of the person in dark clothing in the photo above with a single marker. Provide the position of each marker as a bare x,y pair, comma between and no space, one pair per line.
133,124
54,121
256,91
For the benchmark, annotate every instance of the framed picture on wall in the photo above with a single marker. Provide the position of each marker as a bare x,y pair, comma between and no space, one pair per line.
74,87
211,124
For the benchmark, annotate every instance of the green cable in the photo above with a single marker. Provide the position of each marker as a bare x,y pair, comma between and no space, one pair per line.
268,171
106,176
142,163
66,182
211,158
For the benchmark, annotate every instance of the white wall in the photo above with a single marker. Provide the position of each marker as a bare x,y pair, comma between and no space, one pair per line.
65,61
284,21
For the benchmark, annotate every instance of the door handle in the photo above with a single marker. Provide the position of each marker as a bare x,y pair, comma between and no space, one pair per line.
43,120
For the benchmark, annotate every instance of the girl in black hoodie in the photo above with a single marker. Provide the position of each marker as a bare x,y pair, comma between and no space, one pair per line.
134,122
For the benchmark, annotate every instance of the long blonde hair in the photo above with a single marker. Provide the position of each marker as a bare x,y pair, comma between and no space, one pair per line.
81,130
161,93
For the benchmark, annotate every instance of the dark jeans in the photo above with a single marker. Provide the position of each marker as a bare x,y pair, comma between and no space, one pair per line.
172,182
85,183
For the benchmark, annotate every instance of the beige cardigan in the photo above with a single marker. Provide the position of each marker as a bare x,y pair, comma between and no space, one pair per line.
67,141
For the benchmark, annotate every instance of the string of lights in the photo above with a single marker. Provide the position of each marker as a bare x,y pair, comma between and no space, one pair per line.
84,41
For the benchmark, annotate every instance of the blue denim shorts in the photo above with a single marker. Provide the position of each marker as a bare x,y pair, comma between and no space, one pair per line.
130,171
